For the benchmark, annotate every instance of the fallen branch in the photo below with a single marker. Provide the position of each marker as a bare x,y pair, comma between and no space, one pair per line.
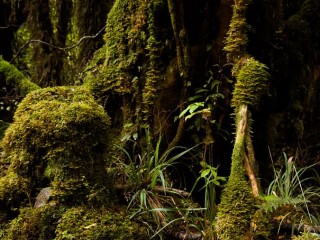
157,189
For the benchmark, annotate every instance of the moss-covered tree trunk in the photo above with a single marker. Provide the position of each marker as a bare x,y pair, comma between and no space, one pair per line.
159,57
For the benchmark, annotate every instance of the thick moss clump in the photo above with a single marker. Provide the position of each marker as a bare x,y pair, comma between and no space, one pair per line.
3,127
252,81
58,138
14,78
33,223
89,224
52,222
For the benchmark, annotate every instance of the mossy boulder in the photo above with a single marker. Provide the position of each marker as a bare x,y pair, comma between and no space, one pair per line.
57,223
90,224
59,138
33,223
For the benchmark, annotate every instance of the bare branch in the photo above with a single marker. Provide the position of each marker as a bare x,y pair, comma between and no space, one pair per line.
56,47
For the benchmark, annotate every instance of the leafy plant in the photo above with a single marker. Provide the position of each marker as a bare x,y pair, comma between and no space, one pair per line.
211,179
206,97
149,188
290,193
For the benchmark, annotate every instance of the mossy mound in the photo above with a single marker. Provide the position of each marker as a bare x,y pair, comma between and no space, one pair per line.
59,138
52,222
89,224
33,223
252,81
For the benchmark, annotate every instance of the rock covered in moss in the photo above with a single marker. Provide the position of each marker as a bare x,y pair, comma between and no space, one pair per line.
57,223
90,224
59,137
33,223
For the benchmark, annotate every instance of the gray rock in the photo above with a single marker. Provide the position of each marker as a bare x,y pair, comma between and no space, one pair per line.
43,197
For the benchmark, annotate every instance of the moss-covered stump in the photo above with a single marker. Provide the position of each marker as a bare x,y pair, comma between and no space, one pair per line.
59,138
57,223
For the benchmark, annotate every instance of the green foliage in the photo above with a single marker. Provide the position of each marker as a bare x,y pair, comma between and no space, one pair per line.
98,224
149,189
204,104
13,77
211,179
290,192
149,167
252,81
58,135
206,98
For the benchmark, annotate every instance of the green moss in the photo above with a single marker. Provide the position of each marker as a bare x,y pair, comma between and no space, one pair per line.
33,223
84,223
237,39
53,222
60,135
252,81
237,203
16,79
13,186
262,226
3,127
128,66
120,56
307,236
